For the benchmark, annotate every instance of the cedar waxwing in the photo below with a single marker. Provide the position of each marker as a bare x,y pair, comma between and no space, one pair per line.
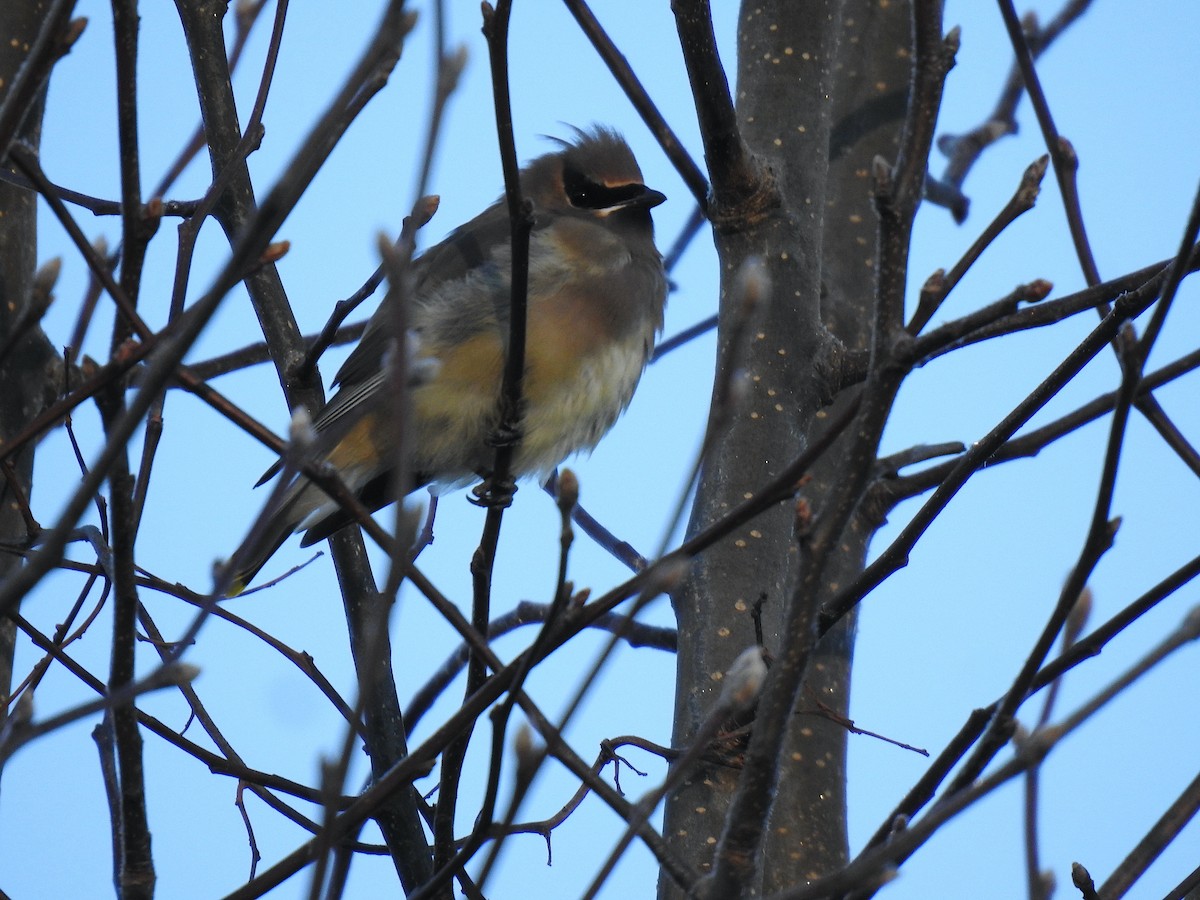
595,305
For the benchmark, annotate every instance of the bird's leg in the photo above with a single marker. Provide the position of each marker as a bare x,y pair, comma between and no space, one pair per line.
506,433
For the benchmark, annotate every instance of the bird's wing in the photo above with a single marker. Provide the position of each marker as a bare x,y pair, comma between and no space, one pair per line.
468,254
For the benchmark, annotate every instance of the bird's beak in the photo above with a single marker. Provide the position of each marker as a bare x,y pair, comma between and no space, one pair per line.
646,198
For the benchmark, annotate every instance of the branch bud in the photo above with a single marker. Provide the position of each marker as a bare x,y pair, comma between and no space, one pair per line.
744,680
567,491
301,432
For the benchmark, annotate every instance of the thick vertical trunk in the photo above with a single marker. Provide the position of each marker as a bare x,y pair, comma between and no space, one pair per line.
819,95
27,369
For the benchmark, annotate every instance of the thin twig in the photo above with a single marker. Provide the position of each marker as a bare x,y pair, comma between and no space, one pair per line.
1062,154
965,150
1021,202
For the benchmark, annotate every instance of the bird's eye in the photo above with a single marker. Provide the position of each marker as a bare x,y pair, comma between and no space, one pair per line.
587,194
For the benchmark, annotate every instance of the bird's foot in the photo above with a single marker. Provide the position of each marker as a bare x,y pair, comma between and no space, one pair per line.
493,493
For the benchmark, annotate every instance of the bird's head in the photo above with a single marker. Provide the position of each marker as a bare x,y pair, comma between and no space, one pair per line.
595,175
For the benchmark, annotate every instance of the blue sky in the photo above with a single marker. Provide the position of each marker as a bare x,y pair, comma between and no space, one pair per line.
938,639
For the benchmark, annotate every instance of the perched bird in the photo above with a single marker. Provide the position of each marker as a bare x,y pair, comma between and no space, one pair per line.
595,304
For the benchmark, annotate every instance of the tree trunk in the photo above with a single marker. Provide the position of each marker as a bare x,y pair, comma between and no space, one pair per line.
27,371
817,99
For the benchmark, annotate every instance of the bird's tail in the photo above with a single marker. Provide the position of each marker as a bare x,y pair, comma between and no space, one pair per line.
299,500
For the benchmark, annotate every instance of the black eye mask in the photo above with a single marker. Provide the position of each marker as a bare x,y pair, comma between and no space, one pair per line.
587,194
